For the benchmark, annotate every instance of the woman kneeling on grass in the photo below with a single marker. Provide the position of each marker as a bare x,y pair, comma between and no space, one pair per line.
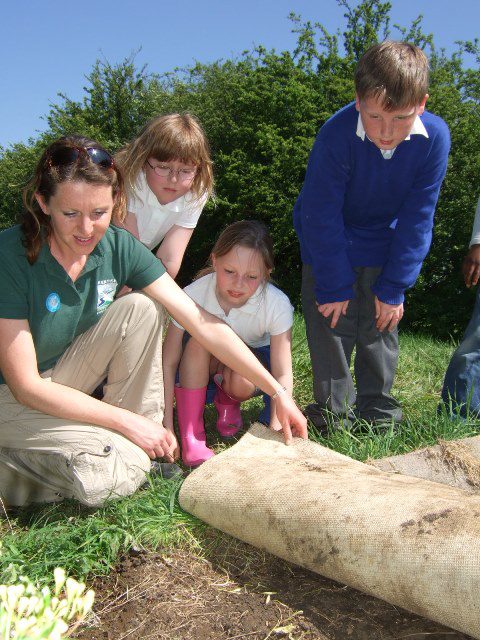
62,332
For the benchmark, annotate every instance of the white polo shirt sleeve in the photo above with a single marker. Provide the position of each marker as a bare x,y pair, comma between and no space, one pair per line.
279,310
202,291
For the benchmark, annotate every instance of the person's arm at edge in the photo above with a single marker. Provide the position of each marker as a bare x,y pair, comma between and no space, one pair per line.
471,262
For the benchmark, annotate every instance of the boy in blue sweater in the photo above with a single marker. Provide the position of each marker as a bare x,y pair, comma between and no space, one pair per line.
364,219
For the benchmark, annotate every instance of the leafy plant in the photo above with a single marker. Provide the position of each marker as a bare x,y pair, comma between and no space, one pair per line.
30,613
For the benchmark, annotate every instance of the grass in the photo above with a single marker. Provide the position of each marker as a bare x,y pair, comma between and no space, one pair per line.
88,543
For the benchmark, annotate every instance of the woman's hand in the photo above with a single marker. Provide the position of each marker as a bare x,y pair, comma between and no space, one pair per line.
291,419
155,440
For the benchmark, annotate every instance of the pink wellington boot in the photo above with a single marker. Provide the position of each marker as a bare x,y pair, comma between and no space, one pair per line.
229,420
190,406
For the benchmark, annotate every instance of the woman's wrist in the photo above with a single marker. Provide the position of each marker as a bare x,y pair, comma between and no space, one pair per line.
279,392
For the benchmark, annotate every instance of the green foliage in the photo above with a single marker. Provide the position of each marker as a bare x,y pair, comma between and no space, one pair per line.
261,113
440,303
17,164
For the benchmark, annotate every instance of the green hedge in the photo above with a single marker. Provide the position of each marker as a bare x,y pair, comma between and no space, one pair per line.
261,113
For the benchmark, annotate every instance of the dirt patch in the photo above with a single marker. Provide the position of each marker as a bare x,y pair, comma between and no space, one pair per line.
238,592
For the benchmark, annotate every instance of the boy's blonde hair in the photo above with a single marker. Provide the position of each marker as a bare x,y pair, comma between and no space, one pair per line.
175,136
394,72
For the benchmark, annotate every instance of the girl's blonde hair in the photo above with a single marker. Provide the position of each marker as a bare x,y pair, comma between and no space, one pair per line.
251,234
176,136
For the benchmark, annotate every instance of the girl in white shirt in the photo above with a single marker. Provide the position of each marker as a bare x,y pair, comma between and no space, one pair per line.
235,289
168,175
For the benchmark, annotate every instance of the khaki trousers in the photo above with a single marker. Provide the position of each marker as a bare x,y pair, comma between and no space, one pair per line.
44,458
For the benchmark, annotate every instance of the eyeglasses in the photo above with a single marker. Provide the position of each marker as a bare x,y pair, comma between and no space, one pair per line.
164,171
69,155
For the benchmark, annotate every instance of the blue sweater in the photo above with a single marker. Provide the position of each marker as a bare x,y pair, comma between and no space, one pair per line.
357,209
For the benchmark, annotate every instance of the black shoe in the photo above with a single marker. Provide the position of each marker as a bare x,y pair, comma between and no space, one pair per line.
166,470
380,424
326,421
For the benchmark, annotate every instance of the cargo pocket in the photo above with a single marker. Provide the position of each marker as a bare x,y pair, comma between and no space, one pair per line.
100,471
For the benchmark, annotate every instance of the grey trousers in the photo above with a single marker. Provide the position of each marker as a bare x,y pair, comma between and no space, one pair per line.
376,354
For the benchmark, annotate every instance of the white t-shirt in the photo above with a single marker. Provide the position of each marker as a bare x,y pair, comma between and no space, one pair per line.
154,220
267,313
476,226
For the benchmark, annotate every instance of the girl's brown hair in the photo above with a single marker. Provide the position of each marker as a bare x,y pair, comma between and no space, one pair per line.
176,136
36,225
252,234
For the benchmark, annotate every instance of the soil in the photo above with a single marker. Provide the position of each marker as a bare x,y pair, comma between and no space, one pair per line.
236,592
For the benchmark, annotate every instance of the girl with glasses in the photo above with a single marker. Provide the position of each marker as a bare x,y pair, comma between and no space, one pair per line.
168,174
62,332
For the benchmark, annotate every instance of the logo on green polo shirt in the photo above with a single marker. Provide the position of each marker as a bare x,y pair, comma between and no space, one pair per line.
53,302
105,294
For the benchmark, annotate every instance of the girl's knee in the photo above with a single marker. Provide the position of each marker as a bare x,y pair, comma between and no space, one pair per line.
236,385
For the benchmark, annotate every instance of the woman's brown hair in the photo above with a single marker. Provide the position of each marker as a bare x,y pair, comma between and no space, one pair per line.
80,167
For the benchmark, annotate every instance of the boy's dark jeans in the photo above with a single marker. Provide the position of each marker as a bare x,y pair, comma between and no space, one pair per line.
461,387
376,354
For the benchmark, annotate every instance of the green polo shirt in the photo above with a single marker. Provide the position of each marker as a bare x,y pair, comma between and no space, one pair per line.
57,309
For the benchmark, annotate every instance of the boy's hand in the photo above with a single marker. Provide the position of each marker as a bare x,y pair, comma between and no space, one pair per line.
334,309
387,316
471,266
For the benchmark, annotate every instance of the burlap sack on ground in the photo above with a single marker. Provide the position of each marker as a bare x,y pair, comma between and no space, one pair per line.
411,542
452,462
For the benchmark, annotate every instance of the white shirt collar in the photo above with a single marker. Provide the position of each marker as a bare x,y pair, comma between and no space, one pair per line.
150,199
212,305
417,128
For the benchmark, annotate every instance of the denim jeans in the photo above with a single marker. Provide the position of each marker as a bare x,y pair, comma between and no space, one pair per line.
461,387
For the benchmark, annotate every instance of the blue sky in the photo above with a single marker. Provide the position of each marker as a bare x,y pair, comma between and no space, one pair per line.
49,47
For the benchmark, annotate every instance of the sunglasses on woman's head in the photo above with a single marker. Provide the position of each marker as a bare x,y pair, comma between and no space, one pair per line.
69,155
